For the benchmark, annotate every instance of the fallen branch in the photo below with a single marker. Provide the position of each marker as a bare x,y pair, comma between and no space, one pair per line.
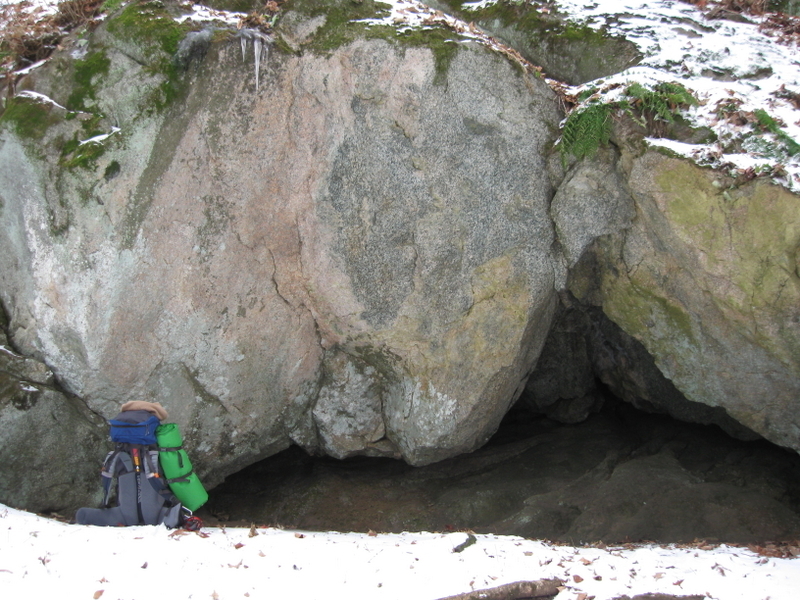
541,588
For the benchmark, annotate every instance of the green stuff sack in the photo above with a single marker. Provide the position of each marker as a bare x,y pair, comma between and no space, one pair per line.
177,467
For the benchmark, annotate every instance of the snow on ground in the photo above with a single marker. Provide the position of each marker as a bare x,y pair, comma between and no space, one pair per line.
42,558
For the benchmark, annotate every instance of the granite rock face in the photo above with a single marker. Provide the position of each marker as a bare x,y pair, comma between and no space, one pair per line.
706,279
356,257
365,253
51,445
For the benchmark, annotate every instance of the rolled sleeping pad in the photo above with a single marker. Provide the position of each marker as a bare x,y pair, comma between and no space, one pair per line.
177,467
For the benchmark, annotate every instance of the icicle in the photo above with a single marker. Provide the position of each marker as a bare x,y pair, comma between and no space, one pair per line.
257,51
261,43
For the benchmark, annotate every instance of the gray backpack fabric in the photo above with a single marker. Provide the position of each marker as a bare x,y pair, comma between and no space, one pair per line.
142,497
136,492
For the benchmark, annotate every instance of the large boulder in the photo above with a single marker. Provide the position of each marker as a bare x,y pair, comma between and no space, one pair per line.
354,255
707,279
51,444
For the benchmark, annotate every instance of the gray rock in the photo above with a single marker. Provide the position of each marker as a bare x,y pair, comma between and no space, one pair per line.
352,207
706,279
51,449
592,201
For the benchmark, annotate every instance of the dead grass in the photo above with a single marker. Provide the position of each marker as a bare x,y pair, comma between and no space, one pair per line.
29,36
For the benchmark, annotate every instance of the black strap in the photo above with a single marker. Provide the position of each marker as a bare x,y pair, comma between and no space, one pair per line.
181,479
180,456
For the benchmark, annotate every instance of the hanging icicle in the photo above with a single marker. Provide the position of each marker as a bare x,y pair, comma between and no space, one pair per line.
261,43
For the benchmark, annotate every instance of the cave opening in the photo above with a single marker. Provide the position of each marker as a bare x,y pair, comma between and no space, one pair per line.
619,475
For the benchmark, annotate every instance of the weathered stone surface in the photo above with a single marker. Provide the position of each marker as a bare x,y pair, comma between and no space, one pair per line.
348,413
586,349
51,447
219,249
592,201
362,254
707,280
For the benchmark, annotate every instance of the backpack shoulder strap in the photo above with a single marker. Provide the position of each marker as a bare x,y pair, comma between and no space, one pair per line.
119,457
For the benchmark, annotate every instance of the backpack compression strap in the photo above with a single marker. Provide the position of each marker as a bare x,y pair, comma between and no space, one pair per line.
183,478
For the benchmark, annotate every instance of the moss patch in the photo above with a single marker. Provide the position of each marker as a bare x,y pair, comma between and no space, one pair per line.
341,21
748,236
440,41
93,65
244,6
526,17
153,31
662,324
84,156
27,117
150,26
744,243
569,51
342,26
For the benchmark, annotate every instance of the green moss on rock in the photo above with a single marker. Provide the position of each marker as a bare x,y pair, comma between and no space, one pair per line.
342,21
27,117
95,64
150,26
84,156
156,35
344,24
569,51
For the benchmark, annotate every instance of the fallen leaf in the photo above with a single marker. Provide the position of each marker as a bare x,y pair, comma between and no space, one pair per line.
678,583
239,545
586,561
253,532
144,566
577,578
581,596
299,536
260,553
371,533
178,533
528,553
658,576
97,594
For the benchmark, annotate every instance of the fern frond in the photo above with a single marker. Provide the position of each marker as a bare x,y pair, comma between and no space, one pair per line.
585,130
